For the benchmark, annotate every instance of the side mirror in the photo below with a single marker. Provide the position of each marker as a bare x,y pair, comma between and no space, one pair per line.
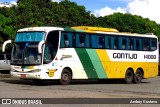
40,46
4,44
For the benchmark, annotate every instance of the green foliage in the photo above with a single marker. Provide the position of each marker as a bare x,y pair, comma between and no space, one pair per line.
6,30
47,13
30,13
129,23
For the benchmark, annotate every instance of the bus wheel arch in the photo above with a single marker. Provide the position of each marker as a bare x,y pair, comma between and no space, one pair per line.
138,76
129,75
66,76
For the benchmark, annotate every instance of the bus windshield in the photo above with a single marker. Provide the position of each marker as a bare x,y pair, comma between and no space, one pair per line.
25,53
30,36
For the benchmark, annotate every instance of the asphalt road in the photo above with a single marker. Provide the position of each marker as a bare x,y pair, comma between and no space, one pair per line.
15,88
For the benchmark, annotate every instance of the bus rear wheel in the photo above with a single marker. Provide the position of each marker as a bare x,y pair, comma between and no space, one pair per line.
129,77
65,77
138,76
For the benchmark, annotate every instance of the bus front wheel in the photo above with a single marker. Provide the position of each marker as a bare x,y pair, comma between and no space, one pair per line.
65,77
138,76
129,76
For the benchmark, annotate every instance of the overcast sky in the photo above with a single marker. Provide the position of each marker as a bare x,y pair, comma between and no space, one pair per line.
145,8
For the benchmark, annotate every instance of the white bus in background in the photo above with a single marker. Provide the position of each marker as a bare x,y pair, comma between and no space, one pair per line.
83,52
159,60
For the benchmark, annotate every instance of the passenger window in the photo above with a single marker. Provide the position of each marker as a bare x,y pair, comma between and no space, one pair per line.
124,43
131,44
107,42
94,41
138,44
101,42
153,44
80,40
67,40
115,42
146,46
87,41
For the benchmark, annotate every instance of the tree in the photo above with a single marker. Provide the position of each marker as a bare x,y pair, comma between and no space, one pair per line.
29,13
6,30
47,13
70,14
129,23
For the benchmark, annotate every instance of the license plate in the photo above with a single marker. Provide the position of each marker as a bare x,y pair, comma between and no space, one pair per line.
23,75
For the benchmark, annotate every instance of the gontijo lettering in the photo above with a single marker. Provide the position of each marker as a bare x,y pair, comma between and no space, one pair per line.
124,56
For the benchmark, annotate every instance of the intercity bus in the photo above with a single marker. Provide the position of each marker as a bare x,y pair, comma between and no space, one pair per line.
83,52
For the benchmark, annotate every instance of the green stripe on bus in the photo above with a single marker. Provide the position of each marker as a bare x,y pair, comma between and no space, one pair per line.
87,64
96,63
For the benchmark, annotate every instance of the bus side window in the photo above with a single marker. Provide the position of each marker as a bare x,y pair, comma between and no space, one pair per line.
112,43
82,40
87,41
138,44
153,44
131,43
107,42
100,42
94,41
63,40
115,42
124,43
146,46
74,40
67,40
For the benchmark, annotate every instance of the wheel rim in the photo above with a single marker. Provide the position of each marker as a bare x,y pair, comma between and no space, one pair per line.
138,76
65,77
129,77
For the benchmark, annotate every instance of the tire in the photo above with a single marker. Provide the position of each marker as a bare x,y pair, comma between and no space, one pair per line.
129,77
138,76
65,77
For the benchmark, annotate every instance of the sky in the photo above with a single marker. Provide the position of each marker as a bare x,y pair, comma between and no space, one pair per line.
145,8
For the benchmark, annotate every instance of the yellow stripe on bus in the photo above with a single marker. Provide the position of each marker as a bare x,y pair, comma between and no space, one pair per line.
117,69
104,58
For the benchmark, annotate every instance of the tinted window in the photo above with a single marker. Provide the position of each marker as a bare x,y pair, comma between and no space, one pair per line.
153,44
146,45
107,41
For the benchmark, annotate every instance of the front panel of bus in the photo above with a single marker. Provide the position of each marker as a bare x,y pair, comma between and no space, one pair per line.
26,62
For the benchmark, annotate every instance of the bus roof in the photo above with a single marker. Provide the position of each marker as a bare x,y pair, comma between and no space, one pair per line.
88,29
129,34
109,31
47,29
